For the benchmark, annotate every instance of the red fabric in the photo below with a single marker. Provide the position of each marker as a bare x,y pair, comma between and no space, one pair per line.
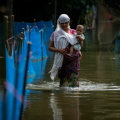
70,64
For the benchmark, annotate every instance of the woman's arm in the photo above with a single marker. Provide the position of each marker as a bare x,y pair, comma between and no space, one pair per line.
53,49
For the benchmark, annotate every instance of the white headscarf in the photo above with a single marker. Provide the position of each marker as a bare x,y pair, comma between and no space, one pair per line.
63,18
61,40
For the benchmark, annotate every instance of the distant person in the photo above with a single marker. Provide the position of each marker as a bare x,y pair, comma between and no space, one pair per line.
110,16
79,33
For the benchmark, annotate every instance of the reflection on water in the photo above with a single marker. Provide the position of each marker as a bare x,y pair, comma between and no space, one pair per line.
53,105
97,97
39,67
117,61
43,67
57,112
85,85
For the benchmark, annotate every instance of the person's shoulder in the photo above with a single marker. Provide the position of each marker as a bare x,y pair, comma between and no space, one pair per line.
52,37
72,31
53,33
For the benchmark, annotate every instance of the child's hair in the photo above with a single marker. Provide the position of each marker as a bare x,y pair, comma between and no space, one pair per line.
80,26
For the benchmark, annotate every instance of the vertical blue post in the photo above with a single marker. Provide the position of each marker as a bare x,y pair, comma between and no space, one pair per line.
43,67
43,47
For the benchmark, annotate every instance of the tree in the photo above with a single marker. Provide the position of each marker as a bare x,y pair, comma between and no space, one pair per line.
28,10
115,7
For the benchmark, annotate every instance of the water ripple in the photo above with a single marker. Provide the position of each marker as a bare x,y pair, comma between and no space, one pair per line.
84,86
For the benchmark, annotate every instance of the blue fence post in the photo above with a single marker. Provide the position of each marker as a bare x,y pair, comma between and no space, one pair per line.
24,85
43,47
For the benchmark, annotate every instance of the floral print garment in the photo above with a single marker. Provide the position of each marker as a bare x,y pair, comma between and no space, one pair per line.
69,72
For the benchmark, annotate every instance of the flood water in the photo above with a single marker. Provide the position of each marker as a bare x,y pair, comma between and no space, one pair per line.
97,98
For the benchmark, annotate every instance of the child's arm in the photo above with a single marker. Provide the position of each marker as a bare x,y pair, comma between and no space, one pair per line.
80,39
81,43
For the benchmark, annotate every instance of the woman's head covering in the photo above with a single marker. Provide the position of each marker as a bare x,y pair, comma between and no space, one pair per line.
61,40
63,18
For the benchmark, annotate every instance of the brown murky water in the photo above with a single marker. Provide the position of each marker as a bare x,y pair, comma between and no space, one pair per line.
97,98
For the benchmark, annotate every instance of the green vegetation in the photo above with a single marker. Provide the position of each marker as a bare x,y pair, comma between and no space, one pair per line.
114,6
28,10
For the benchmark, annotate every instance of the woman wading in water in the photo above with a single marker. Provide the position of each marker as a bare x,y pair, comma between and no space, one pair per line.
68,67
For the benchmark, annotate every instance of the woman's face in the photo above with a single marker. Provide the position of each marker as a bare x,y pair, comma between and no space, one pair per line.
64,26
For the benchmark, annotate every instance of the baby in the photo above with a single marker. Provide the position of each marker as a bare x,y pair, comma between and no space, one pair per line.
77,46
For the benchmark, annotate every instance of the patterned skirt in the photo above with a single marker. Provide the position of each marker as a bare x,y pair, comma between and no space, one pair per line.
72,81
69,72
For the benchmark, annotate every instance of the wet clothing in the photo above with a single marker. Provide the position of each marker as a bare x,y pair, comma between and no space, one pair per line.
69,72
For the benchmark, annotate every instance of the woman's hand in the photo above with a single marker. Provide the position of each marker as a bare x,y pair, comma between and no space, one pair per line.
51,48
62,51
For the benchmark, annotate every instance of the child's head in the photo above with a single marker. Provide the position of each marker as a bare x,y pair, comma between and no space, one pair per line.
79,29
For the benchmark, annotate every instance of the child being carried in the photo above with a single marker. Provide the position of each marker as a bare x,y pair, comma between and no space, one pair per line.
77,47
